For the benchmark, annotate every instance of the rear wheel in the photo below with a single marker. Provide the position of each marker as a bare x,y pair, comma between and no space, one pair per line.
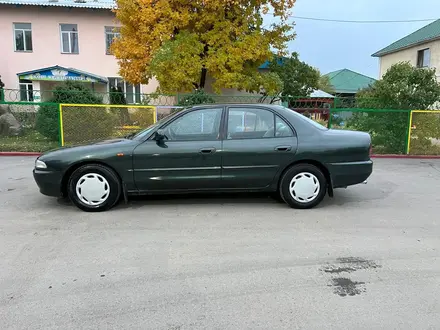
303,186
94,188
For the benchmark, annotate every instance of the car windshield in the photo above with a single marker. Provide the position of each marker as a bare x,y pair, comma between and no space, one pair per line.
141,134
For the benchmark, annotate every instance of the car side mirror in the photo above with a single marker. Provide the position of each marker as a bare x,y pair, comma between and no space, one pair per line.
160,135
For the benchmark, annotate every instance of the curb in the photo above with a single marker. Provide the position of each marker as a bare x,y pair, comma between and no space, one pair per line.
406,156
18,153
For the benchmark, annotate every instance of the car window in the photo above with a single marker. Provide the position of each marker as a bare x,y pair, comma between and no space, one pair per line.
143,133
310,121
281,128
248,123
198,125
314,123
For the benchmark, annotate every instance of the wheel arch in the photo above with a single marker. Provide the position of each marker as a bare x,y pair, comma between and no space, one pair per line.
316,163
72,168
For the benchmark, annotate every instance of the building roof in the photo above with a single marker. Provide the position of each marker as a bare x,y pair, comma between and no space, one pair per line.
346,81
59,73
421,36
321,94
94,4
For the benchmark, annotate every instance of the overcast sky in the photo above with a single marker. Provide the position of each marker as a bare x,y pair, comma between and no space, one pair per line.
332,46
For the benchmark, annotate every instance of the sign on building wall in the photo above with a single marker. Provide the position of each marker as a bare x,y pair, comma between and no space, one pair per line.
58,75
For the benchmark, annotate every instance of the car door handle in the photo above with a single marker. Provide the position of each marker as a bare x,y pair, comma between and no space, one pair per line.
283,148
207,150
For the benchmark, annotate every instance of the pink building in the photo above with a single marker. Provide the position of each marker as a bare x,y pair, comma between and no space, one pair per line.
45,42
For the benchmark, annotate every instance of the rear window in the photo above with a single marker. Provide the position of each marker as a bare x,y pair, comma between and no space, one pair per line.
311,121
314,123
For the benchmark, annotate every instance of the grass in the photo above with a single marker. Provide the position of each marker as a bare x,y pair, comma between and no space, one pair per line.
30,141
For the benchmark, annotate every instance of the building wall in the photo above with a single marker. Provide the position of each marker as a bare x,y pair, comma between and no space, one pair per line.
46,42
410,55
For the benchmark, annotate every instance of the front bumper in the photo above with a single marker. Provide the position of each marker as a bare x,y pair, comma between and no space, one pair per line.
350,173
49,182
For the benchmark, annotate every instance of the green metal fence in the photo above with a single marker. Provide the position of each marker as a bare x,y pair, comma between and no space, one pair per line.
393,131
389,129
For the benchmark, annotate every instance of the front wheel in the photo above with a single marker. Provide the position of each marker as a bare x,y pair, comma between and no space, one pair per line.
94,188
303,186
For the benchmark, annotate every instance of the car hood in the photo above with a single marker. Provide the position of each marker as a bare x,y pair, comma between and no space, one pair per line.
87,148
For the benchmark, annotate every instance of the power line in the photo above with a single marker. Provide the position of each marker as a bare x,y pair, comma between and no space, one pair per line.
362,22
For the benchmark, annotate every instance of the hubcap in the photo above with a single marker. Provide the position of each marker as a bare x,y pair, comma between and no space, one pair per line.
304,187
92,189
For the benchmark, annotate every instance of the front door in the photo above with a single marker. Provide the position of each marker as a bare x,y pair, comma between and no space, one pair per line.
258,144
189,158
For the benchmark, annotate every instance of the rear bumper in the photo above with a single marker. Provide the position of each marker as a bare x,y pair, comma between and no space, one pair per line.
350,173
49,182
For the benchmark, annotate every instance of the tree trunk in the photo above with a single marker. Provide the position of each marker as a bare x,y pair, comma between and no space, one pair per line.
203,78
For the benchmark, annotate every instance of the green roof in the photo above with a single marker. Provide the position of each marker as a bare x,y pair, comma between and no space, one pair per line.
421,36
347,81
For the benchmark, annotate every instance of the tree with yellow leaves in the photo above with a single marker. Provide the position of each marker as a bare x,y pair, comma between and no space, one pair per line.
180,42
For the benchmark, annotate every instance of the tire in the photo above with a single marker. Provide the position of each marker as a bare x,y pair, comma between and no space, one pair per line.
310,183
94,188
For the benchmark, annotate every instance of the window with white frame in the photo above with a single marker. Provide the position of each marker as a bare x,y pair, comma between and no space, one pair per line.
69,38
111,33
23,37
26,90
131,92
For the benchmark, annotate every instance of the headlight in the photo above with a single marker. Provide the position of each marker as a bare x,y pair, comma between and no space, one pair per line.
40,164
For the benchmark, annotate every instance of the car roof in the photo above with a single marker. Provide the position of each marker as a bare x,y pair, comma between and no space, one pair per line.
244,105
278,108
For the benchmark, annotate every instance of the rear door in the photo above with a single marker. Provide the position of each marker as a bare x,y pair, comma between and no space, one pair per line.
257,143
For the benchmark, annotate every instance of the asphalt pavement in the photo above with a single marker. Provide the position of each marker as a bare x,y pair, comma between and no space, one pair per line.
366,259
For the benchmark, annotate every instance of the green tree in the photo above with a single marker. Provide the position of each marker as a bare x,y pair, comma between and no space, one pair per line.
298,79
403,87
180,42
197,97
325,85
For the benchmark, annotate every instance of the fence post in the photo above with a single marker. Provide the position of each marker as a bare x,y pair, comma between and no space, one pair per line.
2,95
60,125
330,115
408,132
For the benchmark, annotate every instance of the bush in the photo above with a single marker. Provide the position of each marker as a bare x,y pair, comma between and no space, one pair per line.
47,122
387,129
75,93
47,119
403,87
199,96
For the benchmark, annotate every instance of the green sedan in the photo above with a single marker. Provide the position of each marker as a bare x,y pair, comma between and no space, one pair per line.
212,148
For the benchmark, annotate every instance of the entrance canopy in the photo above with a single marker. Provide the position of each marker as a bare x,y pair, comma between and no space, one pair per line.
59,73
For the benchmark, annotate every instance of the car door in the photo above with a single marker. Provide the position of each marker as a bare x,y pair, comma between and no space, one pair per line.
188,158
258,143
